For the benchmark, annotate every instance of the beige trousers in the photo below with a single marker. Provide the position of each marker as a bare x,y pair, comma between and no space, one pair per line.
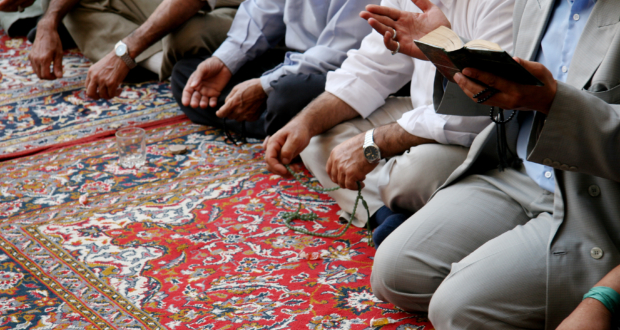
97,25
403,183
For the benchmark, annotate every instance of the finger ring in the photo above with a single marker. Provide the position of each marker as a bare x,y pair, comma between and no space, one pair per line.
397,48
394,34
20,9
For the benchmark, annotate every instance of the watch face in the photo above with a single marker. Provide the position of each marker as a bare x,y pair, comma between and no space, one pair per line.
120,50
372,153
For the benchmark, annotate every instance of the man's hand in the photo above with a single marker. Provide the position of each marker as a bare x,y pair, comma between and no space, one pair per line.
591,314
244,101
105,76
206,84
347,165
285,145
47,49
408,26
15,5
511,95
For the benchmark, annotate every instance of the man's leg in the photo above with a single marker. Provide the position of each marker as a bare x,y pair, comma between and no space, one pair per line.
412,262
200,36
97,25
253,69
290,95
317,153
501,285
406,182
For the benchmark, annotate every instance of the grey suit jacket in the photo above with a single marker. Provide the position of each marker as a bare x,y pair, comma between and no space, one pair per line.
580,139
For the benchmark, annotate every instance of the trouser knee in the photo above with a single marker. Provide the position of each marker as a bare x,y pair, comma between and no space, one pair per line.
290,95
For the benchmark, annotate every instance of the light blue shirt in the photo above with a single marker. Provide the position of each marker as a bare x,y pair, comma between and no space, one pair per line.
321,32
556,52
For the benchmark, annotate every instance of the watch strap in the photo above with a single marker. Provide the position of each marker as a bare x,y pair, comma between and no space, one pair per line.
369,138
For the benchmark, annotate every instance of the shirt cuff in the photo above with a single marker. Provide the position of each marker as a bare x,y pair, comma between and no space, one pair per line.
265,81
231,55
354,91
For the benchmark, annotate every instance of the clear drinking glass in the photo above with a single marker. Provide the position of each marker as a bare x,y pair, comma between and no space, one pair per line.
131,144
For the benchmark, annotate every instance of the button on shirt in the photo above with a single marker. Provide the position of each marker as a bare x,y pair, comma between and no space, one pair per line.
556,51
321,32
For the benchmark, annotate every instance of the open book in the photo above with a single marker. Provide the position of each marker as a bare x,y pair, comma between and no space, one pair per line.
446,50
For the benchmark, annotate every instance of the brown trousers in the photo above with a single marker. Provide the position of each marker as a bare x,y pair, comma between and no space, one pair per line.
97,25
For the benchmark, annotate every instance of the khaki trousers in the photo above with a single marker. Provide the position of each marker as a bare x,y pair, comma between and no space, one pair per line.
403,183
97,25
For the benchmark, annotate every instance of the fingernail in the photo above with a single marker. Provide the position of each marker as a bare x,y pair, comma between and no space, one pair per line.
467,72
458,76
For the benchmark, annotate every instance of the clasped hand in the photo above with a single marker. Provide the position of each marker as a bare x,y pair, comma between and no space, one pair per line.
347,165
511,95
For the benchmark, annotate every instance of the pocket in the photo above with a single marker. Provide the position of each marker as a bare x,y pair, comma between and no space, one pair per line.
611,96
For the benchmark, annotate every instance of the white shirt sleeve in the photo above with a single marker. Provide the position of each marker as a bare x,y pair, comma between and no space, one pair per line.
474,19
371,73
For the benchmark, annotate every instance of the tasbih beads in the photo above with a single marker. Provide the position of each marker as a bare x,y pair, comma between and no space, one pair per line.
311,216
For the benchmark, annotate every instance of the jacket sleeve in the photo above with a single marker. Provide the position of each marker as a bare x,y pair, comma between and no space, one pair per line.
580,134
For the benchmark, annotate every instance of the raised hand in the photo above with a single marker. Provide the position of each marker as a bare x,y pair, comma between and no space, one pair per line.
15,5
408,26
105,76
206,84
511,95
347,165
47,49
244,101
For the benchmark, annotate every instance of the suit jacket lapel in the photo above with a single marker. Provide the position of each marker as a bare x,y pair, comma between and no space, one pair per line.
532,27
594,42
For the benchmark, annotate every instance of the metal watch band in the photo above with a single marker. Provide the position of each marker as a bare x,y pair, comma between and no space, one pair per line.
129,61
369,138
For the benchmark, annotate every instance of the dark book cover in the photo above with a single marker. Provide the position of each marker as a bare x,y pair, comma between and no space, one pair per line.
499,63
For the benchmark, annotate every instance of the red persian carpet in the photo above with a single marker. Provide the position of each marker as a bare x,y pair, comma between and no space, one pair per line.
36,115
192,241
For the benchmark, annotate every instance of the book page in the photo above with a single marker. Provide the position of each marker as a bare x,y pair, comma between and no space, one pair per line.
444,38
483,44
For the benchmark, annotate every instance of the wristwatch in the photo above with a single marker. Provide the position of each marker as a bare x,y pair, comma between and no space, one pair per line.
371,150
121,50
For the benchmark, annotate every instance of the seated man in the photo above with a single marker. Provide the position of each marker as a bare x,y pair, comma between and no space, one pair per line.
253,87
425,147
519,248
119,34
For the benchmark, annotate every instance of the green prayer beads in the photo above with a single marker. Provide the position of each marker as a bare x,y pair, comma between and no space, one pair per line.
296,215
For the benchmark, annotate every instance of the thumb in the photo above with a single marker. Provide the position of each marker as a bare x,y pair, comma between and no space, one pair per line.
58,65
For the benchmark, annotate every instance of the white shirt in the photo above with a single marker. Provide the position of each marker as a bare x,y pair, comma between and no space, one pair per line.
370,74
321,32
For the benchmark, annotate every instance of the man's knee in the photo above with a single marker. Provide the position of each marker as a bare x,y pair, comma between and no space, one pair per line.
289,96
406,284
424,168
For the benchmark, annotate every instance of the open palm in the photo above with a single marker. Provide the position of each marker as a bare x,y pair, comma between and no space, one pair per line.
408,26
206,84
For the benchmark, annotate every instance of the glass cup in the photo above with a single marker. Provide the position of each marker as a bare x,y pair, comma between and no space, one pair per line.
131,145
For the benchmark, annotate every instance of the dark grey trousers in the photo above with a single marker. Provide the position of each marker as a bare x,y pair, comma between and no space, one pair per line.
289,96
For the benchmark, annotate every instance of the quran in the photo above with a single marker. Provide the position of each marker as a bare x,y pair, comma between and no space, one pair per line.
447,51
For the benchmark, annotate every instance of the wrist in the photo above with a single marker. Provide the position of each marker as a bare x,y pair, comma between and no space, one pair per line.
48,24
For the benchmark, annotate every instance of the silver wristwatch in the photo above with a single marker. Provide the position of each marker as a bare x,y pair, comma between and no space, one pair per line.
121,50
371,150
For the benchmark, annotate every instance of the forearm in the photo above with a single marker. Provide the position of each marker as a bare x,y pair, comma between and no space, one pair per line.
54,14
169,15
393,140
325,112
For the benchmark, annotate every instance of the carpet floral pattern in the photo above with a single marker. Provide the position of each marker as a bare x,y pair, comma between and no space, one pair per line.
37,114
192,241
